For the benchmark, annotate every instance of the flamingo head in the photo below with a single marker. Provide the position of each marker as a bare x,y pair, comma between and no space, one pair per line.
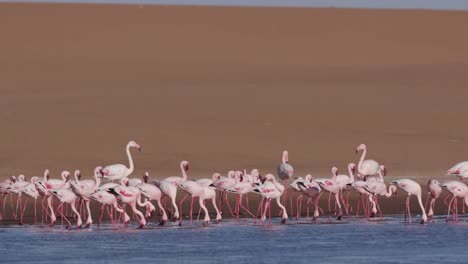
97,172
125,182
13,179
285,156
146,177
46,174
384,170
133,144
216,176
308,177
21,178
352,168
360,147
34,179
66,175
334,171
185,165
231,174
77,174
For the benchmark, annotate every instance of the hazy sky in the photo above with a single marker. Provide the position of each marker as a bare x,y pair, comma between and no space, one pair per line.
418,4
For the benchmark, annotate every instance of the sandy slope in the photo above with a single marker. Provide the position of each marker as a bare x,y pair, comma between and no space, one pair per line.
230,88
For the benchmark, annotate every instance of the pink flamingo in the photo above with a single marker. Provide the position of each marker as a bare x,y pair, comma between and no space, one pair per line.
343,180
30,191
458,190
285,172
332,187
67,196
152,193
17,188
359,186
132,197
411,188
84,190
366,167
5,192
119,171
194,189
459,170
377,188
309,188
109,200
44,187
209,193
169,185
222,184
434,188
271,189
242,188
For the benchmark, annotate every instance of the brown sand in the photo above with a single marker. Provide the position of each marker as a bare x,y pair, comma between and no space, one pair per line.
230,88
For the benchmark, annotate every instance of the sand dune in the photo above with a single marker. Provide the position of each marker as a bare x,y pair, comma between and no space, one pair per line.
230,88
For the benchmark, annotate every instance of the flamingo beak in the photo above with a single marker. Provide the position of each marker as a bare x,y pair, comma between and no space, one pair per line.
139,148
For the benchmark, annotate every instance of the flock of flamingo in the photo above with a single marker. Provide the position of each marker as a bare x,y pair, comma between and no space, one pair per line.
122,191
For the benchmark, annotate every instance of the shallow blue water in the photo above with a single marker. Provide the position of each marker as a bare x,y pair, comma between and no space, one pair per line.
351,240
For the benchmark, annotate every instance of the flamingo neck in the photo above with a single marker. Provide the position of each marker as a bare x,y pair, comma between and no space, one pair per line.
184,172
98,182
364,151
285,158
77,179
351,175
391,190
130,161
380,176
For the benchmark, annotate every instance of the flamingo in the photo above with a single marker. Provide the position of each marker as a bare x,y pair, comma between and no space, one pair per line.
285,172
434,188
376,188
66,195
152,193
17,187
242,188
366,167
119,171
343,180
168,186
4,192
194,189
411,188
458,190
44,186
359,186
309,188
331,187
107,199
132,197
30,191
459,170
209,193
271,189
222,184
84,190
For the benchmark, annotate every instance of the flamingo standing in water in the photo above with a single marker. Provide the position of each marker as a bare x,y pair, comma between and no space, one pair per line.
411,188
17,188
30,191
107,199
209,193
169,185
311,189
343,180
332,187
5,192
194,189
434,188
151,193
285,172
366,168
223,184
271,189
44,187
132,197
377,188
119,171
458,190
242,188
67,196
84,190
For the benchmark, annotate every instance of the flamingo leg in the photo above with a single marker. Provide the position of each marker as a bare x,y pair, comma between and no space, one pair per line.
244,208
180,209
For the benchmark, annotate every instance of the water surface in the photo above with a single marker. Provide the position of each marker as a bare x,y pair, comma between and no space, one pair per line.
352,240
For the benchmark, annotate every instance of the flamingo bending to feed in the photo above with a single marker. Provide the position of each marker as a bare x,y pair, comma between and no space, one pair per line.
271,189
194,189
458,190
223,184
377,188
285,172
152,193
242,188
366,168
107,199
69,197
84,190
411,188
119,171
459,170
132,197
332,187
305,186
209,193
434,188
44,187
169,185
